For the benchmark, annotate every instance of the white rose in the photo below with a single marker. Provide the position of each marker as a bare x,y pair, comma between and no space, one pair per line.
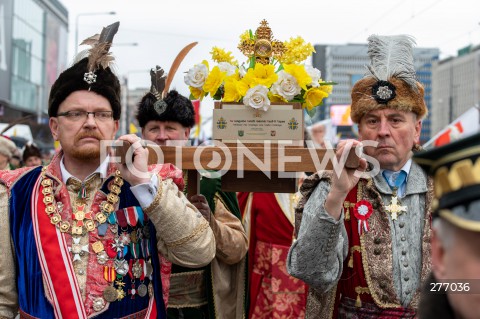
286,86
314,74
257,97
196,76
227,68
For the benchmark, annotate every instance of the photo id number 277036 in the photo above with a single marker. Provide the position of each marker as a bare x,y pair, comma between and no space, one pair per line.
450,287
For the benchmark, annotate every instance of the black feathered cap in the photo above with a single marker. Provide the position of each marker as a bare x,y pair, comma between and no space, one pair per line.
91,72
178,109
71,80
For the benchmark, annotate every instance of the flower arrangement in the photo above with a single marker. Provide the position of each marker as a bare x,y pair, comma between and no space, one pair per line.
274,73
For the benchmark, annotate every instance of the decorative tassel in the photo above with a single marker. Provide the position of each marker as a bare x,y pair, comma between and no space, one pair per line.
358,302
360,290
350,261
352,250
346,205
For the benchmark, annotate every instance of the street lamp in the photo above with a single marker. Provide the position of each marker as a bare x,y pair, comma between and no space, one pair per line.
87,14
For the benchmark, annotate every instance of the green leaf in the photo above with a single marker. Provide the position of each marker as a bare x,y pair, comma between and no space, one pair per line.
252,62
251,34
328,83
280,68
191,97
219,94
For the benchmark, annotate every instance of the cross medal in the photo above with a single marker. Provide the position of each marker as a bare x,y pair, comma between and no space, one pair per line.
395,208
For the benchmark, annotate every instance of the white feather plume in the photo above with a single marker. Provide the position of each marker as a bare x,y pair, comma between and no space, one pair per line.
392,56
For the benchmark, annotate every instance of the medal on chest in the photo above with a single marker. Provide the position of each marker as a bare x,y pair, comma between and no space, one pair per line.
395,208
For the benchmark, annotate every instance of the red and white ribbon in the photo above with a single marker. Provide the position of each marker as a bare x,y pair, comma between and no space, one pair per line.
362,211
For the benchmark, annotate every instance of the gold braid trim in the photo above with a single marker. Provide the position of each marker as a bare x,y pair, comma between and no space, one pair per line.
366,268
347,205
156,200
195,272
188,305
352,250
200,228
369,279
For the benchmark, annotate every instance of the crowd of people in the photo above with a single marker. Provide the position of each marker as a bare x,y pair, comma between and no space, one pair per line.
12,157
81,236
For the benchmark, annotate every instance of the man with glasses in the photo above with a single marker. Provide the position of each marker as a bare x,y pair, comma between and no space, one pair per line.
81,237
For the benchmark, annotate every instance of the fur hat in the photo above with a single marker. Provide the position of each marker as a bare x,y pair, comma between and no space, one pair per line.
7,147
160,104
91,72
30,150
178,109
391,80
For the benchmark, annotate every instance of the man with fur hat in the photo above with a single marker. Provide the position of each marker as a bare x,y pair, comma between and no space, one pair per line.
216,290
81,237
7,148
363,243
453,288
31,155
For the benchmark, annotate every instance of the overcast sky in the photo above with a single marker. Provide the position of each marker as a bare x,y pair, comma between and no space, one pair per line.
162,28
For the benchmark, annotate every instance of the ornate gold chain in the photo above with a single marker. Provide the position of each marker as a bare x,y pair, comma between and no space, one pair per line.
84,222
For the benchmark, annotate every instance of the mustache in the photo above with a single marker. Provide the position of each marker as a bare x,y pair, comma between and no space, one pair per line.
91,134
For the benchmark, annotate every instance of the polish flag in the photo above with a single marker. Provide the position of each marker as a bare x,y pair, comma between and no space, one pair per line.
466,124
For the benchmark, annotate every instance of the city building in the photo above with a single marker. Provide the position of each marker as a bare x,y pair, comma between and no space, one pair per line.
456,86
33,52
345,64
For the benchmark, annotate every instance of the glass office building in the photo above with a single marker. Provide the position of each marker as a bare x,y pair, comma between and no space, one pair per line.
33,52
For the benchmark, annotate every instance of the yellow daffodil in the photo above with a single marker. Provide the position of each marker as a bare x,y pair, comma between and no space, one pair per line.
275,98
231,89
213,81
196,93
297,51
262,74
220,55
313,97
298,71
326,88
245,36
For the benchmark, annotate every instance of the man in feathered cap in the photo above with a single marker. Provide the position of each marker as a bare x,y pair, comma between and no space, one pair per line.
363,243
453,288
81,237
216,290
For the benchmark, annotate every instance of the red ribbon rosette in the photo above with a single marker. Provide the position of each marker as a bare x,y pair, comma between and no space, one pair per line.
362,211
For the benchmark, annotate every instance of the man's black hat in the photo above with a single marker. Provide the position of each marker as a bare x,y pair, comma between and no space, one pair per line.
162,105
455,168
91,72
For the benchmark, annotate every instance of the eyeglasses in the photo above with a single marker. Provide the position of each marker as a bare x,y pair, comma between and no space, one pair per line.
75,116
